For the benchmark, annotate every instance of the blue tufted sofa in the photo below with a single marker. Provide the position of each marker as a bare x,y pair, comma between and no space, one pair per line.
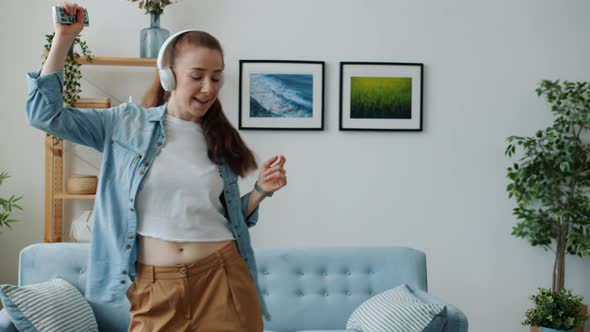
306,289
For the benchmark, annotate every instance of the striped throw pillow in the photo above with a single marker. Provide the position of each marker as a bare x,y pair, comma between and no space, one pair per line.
395,310
54,305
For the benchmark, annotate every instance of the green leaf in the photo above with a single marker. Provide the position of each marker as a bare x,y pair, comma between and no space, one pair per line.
564,166
7,205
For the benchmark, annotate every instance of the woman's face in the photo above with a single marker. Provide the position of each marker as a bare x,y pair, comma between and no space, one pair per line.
198,74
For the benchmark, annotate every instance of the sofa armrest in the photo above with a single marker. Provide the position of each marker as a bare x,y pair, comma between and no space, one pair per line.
5,322
457,321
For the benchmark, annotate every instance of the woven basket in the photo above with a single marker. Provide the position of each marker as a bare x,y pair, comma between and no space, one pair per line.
82,184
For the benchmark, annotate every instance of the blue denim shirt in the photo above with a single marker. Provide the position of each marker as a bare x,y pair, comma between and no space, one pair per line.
130,137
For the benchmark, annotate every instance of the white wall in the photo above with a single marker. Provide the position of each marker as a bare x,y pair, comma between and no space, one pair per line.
441,190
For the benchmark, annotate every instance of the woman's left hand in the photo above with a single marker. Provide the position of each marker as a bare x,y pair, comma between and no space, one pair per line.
273,177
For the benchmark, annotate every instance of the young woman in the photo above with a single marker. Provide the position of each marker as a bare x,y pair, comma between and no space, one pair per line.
170,230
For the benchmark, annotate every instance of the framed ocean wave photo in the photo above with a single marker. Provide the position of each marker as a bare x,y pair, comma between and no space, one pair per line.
381,96
281,94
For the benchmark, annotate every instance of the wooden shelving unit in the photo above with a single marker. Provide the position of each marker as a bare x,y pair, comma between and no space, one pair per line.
54,151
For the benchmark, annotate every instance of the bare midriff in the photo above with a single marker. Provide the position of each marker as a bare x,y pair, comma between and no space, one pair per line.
152,251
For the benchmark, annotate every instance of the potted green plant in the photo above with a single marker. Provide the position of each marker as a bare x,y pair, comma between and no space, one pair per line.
7,206
153,6
551,179
151,38
72,73
555,311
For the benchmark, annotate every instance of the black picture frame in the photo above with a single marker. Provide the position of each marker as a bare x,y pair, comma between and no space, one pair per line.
381,96
281,95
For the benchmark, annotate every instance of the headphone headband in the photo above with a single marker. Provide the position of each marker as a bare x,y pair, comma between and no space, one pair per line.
164,47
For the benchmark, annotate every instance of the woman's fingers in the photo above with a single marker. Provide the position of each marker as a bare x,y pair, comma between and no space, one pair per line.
74,9
270,162
274,169
79,15
275,175
281,161
271,176
68,7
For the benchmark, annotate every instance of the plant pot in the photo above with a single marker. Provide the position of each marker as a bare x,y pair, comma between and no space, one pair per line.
584,311
546,329
150,39
576,329
82,184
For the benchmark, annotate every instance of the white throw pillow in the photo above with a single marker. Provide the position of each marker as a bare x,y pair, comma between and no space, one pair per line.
395,310
50,306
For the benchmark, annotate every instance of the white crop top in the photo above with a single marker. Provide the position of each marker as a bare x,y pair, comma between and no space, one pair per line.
180,196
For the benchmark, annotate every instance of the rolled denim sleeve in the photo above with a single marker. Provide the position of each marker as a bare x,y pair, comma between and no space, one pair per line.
45,110
251,219
6,324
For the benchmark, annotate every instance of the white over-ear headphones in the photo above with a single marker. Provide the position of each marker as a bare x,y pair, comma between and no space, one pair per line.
166,75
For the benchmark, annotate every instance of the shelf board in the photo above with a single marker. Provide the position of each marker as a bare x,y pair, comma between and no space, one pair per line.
73,196
110,61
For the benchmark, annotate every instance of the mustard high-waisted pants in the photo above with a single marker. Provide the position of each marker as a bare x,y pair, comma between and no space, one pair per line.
214,294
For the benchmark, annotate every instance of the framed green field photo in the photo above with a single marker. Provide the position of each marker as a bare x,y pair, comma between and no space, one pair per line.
381,96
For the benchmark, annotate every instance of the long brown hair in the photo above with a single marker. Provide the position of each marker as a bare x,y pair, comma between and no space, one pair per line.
223,140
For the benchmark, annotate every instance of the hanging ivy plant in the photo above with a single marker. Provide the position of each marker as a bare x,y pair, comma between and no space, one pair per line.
72,73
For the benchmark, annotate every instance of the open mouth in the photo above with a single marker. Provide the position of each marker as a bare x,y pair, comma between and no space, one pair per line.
201,101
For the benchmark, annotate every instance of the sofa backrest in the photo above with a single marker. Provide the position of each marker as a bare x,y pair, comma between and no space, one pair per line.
318,288
43,261
305,288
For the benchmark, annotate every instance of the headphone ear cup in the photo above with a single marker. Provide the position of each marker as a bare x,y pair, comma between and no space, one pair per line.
167,79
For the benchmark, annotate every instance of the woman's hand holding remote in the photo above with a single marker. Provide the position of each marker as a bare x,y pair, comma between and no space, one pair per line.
63,39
